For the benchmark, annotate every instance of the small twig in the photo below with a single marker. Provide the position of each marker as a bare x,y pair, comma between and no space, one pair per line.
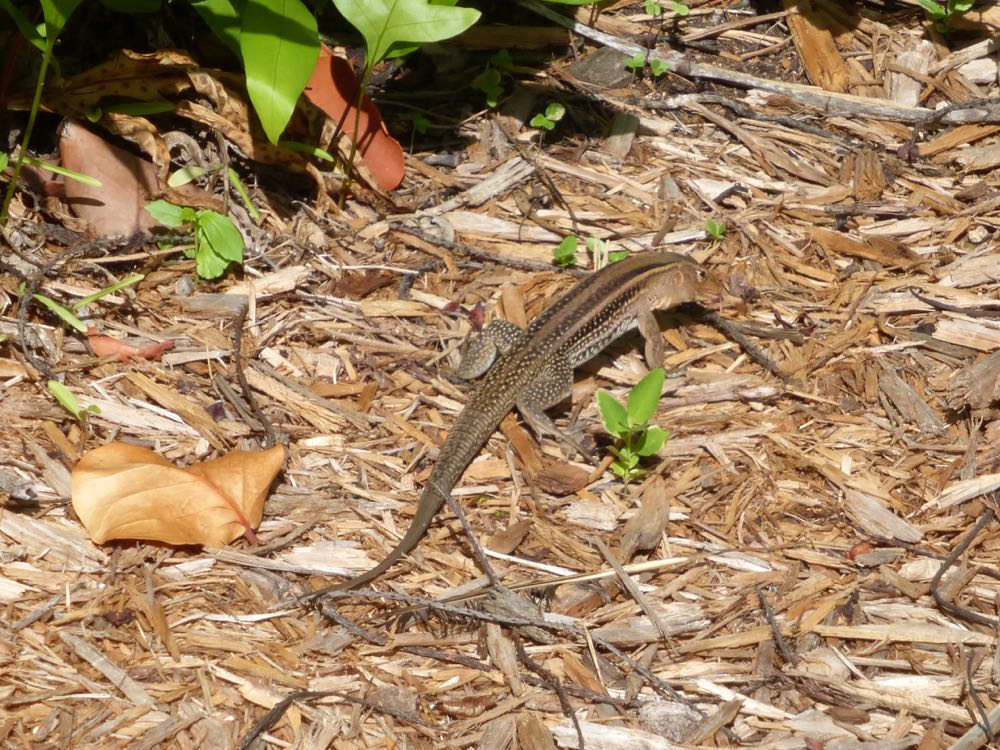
986,309
543,175
513,621
554,684
982,717
950,607
524,265
238,322
271,718
470,535
936,116
779,639
732,330
330,611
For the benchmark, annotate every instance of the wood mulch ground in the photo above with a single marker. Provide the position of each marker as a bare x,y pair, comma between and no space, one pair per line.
813,560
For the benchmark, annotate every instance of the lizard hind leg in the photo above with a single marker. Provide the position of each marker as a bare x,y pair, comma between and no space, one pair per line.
554,384
479,350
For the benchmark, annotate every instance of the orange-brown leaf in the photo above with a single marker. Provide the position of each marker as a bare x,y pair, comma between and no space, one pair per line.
102,346
122,491
333,88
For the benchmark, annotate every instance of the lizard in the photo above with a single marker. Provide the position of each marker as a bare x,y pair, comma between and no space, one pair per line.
532,368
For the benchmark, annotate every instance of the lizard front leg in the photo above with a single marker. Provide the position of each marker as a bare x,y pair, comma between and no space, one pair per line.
650,330
554,384
479,350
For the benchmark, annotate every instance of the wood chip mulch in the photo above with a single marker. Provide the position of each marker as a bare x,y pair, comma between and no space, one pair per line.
812,560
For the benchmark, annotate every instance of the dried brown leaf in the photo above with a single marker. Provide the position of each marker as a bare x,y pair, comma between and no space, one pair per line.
123,491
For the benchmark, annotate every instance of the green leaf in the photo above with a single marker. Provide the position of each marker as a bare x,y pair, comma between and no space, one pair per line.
636,62
86,179
658,67
384,23
401,50
644,397
223,19
541,121
133,279
184,175
615,256
420,123
27,29
307,148
57,13
4,160
613,414
132,6
237,184
489,83
221,235
279,43
933,9
502,60
170,215
653,8
681,9
715,229
555,111
650,441
565,252
63,313
68,401
218,242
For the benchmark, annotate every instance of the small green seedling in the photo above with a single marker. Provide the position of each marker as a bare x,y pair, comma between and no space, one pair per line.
630,424
564,253
653,8
489,80
604,255
420,123
66,314
553,114
639,60
943,13
680,9
715,229
489,83
217,241
68,401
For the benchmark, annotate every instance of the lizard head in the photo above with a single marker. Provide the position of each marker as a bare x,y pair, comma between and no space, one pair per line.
688,281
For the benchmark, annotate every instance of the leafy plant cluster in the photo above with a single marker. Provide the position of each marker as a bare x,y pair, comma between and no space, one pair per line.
629,423
943,13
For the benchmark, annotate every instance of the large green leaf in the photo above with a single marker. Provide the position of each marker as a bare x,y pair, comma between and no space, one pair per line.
57,13
643,398
280,44
223,19
613,414
384,23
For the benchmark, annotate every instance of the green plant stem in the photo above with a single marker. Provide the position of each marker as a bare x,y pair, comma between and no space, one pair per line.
35,103
349,172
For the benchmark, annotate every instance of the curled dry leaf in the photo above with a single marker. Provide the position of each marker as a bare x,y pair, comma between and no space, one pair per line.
102,346
122,491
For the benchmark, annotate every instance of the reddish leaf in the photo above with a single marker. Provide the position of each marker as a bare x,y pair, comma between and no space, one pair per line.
102,346
334,89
